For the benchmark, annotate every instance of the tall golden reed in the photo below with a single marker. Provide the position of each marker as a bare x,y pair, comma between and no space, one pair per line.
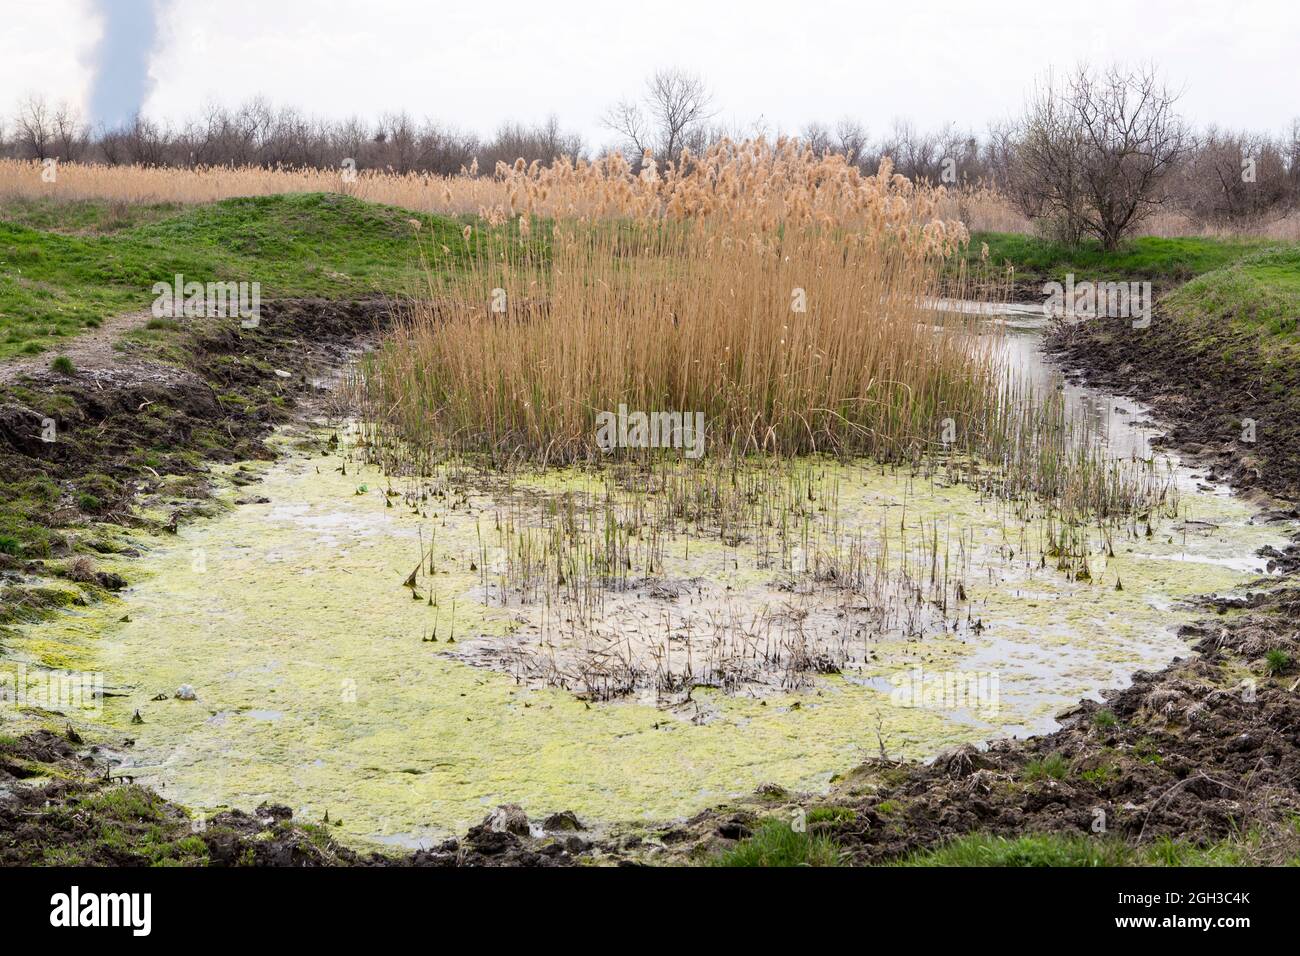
778,293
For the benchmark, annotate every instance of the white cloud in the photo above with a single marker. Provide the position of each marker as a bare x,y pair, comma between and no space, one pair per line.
478,65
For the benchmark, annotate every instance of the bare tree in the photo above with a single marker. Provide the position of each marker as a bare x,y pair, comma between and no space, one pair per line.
851,140
669,117
817,138
144,142
542,143
35,128
1235,179
68,133
1094,154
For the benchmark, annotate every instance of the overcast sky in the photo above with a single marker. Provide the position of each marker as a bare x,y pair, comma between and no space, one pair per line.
475,65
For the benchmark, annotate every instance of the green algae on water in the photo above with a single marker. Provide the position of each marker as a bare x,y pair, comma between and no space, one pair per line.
319,684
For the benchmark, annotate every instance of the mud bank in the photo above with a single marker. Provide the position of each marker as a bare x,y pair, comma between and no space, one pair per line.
1231,400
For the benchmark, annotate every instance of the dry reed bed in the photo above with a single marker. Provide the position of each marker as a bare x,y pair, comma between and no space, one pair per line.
778,293
979,207
486,196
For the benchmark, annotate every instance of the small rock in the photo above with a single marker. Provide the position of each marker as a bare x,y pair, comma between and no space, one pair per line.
110,581
508,818
186,692
273,812
565,820
737,828
576,845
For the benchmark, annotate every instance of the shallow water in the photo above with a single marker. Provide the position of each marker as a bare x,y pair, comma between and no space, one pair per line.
317,687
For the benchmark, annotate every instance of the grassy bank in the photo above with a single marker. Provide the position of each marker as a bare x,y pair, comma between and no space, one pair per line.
777,844
65,267
1165,263
1257,292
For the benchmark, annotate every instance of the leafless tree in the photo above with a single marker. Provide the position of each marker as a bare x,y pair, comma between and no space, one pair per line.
1095,153
35,128
543,143
851,140
818,138
144,142
68,133
1235,178
674,108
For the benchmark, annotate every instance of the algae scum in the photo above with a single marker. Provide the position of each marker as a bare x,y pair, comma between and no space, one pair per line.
406,653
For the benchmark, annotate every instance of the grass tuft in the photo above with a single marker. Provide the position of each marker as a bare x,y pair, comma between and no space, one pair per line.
776,844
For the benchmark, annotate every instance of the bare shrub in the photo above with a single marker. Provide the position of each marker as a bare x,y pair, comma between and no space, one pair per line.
1092,156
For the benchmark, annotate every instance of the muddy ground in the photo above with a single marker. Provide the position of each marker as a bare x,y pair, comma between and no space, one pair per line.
1206,749
1206,381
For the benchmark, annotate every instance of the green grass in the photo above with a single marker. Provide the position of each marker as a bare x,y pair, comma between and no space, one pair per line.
832,815
1053,766
1105,719
776,844
1163,262
1277,661
125,824
56,280
1261,291
1051,849
82,216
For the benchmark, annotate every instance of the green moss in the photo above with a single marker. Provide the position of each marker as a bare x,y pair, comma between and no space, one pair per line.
305,594
33,604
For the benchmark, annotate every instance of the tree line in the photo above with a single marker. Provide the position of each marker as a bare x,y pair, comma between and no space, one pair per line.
1093,154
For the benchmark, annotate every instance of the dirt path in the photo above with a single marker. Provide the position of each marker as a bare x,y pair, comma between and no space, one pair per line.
95,348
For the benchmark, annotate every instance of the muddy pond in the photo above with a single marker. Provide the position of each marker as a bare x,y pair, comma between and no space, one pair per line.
405,654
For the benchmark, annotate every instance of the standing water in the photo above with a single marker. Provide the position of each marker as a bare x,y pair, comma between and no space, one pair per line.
555,642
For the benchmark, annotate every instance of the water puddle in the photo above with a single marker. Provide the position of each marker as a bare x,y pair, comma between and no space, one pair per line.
531,659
